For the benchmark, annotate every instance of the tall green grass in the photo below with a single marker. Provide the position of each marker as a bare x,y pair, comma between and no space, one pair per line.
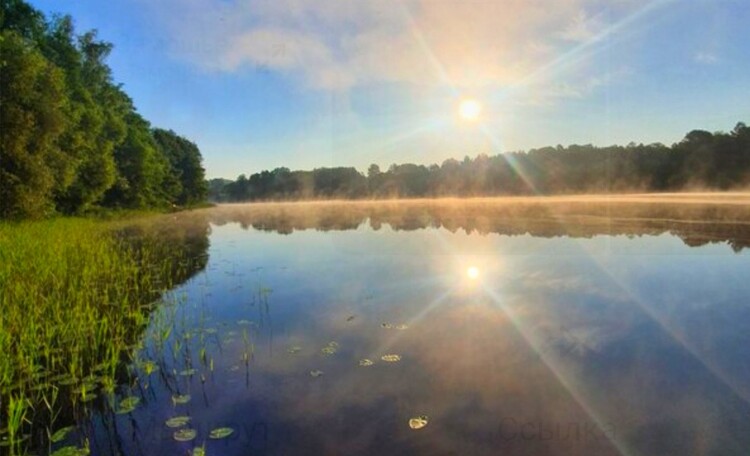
74,296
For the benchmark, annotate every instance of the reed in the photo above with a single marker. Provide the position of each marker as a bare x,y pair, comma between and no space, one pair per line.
74,297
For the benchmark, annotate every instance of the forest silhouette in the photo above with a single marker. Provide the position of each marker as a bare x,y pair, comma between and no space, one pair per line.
702,160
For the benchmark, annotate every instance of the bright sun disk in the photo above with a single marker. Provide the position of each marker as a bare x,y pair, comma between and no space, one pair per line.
469,109
472,272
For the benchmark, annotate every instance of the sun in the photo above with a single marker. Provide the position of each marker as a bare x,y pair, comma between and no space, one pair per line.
472,272
469,109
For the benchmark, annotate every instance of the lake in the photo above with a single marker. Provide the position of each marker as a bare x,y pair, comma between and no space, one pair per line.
590,326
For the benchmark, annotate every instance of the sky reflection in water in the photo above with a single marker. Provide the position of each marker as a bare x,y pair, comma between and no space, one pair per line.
596,341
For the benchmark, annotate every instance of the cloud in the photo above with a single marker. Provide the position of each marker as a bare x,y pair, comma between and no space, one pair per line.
705,58
583,28
336,44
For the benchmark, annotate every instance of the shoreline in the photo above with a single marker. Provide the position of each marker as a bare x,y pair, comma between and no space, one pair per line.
716,198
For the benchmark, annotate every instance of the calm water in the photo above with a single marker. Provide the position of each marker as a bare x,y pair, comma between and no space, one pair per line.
591,329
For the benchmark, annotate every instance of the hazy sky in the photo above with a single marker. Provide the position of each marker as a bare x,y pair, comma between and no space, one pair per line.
306,83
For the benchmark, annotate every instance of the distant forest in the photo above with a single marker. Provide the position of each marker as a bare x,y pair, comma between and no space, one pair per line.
702,160
71,139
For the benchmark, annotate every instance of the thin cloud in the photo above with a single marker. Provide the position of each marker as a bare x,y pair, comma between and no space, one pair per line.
337,45
705,58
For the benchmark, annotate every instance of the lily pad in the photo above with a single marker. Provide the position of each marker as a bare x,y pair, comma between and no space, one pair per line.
181,399
128,404
71,451
328,350
402,327
187,372
391,358
60,434
185,435
177,421
386,325
366,362
294,350
221,433
418,422
199,451
316,373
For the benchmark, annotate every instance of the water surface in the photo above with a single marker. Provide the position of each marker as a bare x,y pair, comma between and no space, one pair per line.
592,328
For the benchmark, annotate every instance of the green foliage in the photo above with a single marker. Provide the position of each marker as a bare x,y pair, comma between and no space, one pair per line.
185,181
141,168
33,103
72,140
702,160
73,294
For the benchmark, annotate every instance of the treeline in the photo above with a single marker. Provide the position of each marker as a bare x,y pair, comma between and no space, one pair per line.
71,139
702,160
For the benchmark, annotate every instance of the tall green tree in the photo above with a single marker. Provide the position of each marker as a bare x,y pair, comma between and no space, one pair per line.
32,118
185,180
140,168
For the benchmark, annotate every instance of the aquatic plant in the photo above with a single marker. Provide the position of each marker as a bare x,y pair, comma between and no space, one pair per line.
75,296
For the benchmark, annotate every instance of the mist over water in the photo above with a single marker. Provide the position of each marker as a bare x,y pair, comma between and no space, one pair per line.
587,326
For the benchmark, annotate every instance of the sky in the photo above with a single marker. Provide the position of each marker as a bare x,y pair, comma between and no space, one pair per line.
259,84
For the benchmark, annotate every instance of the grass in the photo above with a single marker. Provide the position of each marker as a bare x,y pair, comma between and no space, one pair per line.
74,296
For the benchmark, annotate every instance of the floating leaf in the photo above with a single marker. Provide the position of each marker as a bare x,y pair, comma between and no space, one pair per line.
185,435
181,399
199,451
211,331
401,327
418,422
177,421
60,434
333,344
128,404
391,358
221,433
365,362
245,322
350,317
316,373
294,350
328,350
386,325
150,367
187,372
71,451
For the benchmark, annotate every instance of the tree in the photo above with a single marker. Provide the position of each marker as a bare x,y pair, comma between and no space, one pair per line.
32,118
185,181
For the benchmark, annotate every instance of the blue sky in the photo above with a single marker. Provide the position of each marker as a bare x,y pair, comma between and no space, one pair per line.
299,83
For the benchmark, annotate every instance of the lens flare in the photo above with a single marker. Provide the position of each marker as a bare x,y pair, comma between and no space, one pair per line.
469,109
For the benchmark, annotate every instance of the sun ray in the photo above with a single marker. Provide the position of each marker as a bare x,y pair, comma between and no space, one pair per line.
579,52
681,341
556,369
